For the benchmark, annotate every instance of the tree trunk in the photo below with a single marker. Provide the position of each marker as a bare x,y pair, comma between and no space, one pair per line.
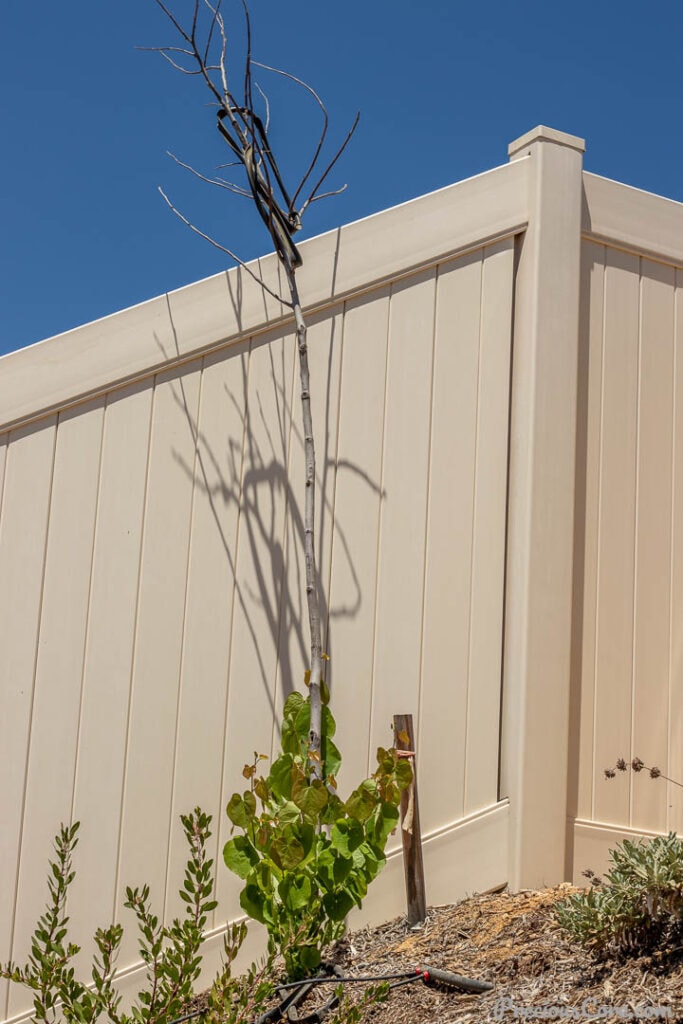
312,595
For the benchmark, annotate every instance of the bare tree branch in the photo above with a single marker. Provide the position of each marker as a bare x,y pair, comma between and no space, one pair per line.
267,105
222,248
220,182
323,134
179,28
324,195
163,50
332,163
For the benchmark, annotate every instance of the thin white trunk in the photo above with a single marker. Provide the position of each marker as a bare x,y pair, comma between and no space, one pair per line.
312,595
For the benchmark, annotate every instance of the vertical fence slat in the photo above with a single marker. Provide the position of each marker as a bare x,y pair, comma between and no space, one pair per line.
148,779
653,540
404,503
56,706
587,528
352,592
107,667
448,584
488,530
616,511
28,481
675,709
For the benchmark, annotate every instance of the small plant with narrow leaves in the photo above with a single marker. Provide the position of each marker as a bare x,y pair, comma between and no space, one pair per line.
48,971
172,953
234,1000
305,855
637,905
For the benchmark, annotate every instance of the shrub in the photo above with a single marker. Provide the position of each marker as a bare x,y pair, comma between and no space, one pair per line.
306,856
172,953
639,902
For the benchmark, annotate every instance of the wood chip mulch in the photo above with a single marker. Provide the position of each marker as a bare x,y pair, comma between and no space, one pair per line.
513,941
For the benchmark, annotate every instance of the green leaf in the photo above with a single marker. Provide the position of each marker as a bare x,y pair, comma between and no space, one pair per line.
324,867
329,726
261,790
290,740
404,773
280,776
362,801
356,883
310,798
296,891
374,861
333,810
241,809
331,757
309,957
240,856
262,875
338,904
332,868
255,903
288,813
346,836
301,722
287,851
293,704
382,823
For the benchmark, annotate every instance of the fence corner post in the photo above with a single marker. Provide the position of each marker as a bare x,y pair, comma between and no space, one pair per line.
540,545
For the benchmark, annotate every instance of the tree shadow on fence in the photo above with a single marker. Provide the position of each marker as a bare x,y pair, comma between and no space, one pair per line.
256,474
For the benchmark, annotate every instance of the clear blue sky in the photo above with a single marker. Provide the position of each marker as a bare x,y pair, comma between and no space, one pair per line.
442,86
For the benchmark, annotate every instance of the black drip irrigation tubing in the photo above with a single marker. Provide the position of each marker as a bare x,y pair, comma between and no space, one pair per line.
301,988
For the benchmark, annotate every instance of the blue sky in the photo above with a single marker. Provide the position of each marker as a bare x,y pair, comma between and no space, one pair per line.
442,87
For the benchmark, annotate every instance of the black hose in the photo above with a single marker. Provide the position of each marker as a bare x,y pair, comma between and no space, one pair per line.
322,979
446,978
424,973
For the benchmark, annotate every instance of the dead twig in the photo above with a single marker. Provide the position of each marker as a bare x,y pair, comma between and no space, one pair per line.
222,248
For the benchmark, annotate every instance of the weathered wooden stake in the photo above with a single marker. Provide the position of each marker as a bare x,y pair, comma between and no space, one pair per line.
410,827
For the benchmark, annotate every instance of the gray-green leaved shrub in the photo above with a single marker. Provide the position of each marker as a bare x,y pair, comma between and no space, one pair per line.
172,953
305,855
639,902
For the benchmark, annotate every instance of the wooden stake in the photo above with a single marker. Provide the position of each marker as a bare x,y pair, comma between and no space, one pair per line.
410,827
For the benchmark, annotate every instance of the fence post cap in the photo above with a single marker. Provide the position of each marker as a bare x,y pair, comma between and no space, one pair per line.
520,147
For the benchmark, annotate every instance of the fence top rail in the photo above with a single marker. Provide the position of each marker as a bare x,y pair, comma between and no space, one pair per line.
631,219
173,328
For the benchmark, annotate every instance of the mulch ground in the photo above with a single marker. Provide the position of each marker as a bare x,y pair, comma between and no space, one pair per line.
513,941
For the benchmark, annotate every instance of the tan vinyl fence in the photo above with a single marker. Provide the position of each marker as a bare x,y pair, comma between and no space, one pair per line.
499,547
627,692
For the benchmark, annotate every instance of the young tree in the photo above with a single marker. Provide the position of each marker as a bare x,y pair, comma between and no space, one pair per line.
203,53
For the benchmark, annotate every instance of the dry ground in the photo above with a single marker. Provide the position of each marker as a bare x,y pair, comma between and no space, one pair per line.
514,942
